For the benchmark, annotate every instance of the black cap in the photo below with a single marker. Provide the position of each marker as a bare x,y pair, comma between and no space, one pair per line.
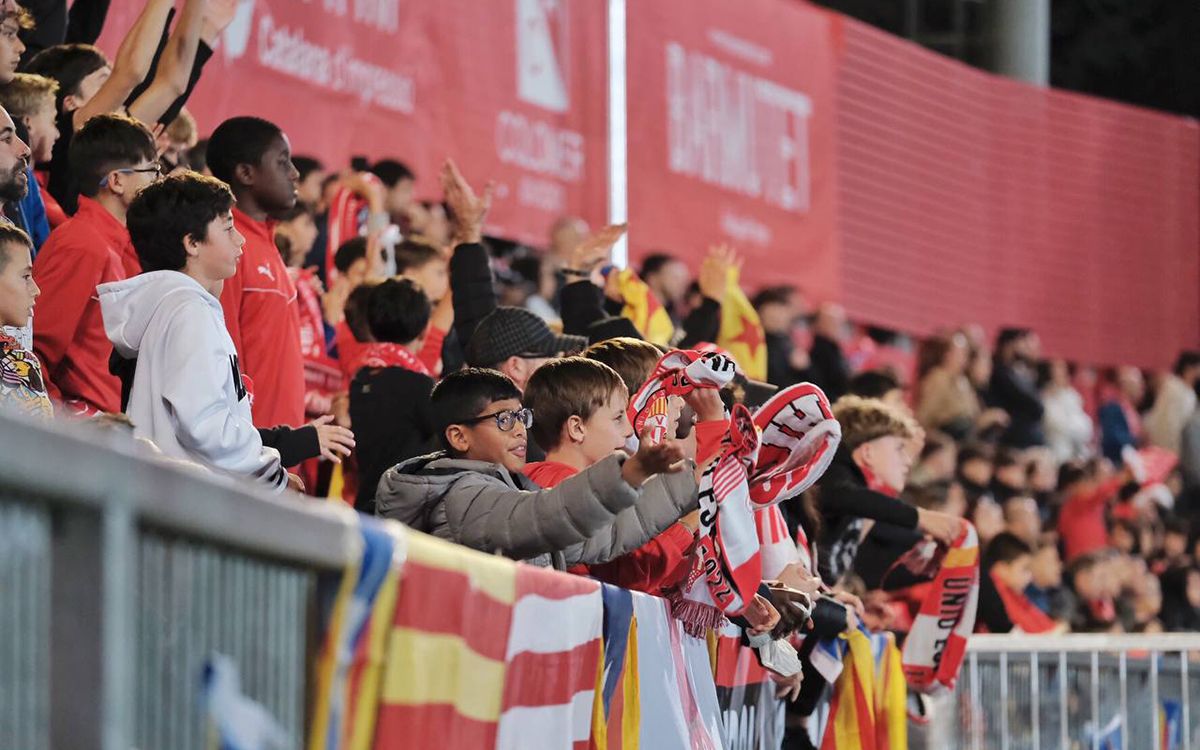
514,331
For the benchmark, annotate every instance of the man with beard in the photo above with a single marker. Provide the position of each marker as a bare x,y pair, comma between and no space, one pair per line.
14,184
254,158
112,158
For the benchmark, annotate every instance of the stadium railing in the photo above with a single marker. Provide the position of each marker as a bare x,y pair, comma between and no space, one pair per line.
121,576
1035,692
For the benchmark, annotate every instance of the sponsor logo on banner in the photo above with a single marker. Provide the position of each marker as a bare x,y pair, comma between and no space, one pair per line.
237,34
737,131
541,52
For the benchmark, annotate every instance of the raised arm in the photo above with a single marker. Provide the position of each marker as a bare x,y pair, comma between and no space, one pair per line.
132,64
174,67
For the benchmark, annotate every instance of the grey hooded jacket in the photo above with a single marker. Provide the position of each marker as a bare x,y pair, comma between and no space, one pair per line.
592,517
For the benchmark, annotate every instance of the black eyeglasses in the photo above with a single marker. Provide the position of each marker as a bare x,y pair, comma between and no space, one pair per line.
156,169
505,420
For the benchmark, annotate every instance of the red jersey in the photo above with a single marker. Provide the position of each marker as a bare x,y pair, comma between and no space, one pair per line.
91,248
322,378
1081,521
656,565
55,215
264,322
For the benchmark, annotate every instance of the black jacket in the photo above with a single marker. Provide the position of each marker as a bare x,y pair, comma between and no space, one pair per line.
393,422
1013,389
844,500
471,284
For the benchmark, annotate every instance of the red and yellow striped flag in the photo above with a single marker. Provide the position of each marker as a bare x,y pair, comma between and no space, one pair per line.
741,333
644,309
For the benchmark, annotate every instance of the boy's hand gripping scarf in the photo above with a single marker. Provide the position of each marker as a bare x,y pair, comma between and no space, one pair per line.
727,550
799,439
934,649
678,373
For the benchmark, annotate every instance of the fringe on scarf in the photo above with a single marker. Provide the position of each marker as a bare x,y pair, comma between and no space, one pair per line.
697,617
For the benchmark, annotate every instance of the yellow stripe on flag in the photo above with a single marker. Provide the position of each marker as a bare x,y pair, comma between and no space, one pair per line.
362,729
741,333
492,575
644,309
327,659
432,668
631,724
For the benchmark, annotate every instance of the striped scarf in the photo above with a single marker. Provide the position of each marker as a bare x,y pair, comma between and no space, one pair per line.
677,373
727,548
934,649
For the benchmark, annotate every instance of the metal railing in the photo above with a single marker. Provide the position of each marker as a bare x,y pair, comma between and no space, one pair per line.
121,574
1029,692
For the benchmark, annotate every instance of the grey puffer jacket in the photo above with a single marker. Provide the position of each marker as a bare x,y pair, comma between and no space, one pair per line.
592,517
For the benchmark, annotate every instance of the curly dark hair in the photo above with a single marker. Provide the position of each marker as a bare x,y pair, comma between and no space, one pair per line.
168,212
397,311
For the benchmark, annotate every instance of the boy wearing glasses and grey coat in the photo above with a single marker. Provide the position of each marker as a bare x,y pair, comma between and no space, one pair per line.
473,492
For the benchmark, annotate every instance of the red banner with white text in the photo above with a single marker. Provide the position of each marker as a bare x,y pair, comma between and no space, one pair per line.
514,90
731,136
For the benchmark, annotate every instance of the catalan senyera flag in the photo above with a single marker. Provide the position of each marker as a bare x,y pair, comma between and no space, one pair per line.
851,724
355,619
553,656
444,675
616,717
891,694
644,309
741,332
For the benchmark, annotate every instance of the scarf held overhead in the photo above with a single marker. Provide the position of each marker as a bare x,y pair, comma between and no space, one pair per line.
678,373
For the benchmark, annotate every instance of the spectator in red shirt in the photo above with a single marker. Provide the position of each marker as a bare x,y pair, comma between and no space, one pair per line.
1081,523
579,408
254,157
113,158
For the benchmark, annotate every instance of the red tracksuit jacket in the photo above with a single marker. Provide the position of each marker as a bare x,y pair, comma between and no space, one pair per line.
264,322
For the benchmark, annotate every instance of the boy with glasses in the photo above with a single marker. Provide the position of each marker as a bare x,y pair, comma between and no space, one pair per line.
113,158
473,491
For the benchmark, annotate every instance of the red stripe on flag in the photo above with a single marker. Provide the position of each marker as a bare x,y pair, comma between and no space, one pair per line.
551,679
435,600
551,584
433,726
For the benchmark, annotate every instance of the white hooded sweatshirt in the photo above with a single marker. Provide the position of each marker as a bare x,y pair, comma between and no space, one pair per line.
187,394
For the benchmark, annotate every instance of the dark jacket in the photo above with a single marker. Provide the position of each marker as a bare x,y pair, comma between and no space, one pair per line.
844,501
779,362
471,284
393,422
1014,390
830,369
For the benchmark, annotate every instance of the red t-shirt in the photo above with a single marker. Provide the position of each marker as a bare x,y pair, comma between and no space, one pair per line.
264,322
91,248
658,564
1081,520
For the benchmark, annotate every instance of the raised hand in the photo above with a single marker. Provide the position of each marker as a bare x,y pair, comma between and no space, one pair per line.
596,249
666,457
714,271
468,209
218,14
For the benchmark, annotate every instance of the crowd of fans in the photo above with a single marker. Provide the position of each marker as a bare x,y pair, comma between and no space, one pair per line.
260,314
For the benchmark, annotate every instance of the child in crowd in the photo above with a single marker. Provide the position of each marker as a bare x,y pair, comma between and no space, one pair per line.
389,396
21,383
1088,489
187,394
1005,573
1091,578
975,470
579,406
1046,589
474,492
113,159
1022,520
427,265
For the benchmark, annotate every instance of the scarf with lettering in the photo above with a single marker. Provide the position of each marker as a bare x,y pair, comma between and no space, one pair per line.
727,547
934,649
677,373
799,439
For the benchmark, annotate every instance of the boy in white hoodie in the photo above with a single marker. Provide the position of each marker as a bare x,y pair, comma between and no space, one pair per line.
187,393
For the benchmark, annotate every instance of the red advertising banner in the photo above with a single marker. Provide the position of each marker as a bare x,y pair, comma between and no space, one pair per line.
967,197
514,90
731,136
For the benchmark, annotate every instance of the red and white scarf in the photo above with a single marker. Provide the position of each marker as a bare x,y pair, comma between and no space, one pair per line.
381,354
799,439
934,649
678,373
727,547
